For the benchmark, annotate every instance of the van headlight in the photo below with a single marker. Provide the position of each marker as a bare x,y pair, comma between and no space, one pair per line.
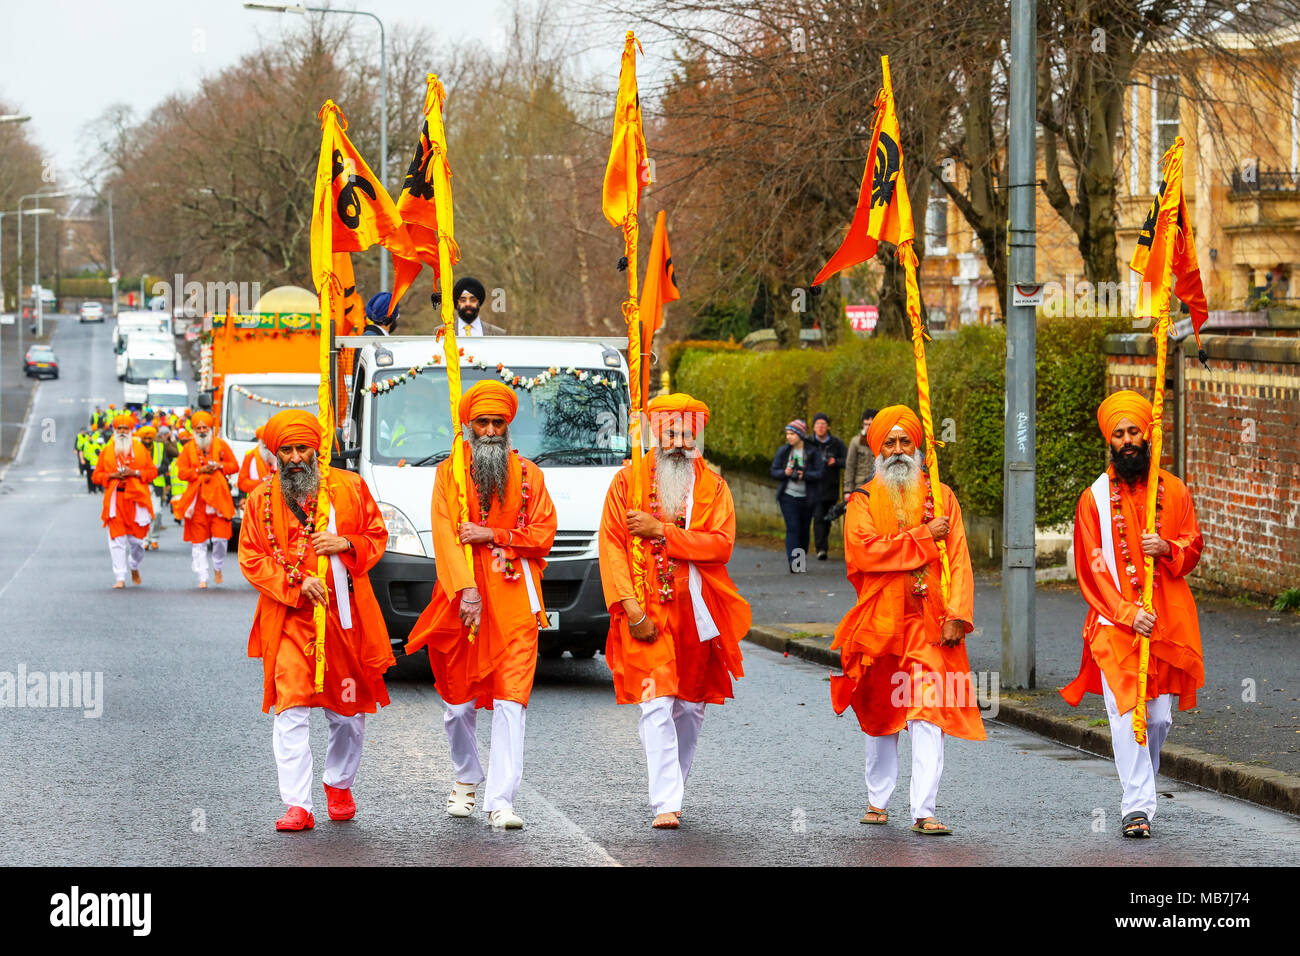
402,537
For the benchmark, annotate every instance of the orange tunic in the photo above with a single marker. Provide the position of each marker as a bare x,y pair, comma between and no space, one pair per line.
501,660
253,471
130,492
206,491
895,669
1175,664
283,633
677,663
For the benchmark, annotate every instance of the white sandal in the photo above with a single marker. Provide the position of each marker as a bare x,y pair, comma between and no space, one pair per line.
460,802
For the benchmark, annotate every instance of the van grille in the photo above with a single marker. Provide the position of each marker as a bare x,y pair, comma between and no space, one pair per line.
571,544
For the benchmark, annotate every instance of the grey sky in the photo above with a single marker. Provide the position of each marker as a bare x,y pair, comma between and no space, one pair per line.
64,61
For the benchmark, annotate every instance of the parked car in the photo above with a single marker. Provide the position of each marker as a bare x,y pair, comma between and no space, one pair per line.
41,361
91,312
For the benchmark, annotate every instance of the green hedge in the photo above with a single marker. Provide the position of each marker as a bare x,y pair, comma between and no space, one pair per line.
753,395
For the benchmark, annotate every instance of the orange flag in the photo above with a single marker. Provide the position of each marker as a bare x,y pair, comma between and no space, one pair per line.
419,205
625,173
352,319
351,210
884,212
659,288
1169,212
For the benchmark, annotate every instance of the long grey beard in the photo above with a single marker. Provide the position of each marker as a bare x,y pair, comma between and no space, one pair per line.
899,472
205,443
489,467
300,482
122,446
674,478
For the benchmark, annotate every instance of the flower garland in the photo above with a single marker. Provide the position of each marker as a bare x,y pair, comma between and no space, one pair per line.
1121,528
270,401
507,375
665,566
919,587
506,564
293,573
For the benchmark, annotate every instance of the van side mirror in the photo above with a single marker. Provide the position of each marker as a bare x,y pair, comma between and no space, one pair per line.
205,401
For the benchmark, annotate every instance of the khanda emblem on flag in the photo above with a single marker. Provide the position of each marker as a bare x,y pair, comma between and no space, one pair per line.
1148,233
349,206
417,181
885,174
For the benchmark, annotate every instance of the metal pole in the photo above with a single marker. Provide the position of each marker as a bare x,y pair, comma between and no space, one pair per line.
2,260
1020,429
18,311
112,257
39,291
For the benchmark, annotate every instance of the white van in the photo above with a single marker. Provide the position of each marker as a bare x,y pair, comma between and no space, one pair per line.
146,360
573,425
249,399
139,321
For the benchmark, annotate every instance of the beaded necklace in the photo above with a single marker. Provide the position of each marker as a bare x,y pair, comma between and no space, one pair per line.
1121,529
294,572
665,566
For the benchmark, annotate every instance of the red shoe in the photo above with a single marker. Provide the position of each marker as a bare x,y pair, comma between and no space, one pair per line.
341,804
296,819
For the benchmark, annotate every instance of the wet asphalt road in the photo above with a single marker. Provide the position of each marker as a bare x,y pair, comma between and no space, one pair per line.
178,769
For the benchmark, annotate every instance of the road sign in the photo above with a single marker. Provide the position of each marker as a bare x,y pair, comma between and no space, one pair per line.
862,318
7,318
1029,294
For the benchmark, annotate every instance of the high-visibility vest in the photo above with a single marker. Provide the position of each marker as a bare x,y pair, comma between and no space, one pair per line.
160,480
94,449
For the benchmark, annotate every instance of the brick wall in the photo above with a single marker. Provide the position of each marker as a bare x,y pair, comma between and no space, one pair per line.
1239,451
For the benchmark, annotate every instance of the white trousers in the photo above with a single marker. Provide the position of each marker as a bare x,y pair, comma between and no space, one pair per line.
117,550
291,742
669,729
927,768
1138,765
199,558
505,760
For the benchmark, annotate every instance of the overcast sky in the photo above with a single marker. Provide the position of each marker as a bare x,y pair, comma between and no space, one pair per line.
64,61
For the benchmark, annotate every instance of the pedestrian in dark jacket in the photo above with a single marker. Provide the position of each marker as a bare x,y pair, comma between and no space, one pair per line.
378,321
799,466
833,453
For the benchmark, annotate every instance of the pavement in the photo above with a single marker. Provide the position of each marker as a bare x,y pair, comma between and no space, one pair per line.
1243,737
16,389
170,760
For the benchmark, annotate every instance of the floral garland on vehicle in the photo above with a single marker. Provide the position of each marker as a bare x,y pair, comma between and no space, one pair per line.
507,375
293,573
1121,528
271,401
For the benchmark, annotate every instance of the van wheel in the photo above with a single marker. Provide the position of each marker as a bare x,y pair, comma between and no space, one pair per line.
582,653
550,652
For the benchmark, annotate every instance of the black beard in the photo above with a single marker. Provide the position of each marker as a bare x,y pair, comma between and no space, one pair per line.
1131,465
468,313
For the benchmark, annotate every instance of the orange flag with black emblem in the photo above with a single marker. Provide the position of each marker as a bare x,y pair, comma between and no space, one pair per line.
625,172
659,288
420,206
1165,248
884,212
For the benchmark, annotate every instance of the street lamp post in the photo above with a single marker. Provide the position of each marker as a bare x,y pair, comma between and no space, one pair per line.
383,92
21,200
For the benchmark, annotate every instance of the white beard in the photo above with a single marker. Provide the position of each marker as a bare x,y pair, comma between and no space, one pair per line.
489,468
122,446
265,454
900,472
674,479
205,444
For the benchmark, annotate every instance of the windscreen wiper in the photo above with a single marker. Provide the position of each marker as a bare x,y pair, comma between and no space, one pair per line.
559,452
436,457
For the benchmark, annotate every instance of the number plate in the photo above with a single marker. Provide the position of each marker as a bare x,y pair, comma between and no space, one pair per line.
554,618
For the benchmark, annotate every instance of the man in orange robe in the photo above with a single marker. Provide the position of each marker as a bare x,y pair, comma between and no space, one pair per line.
124,470
278,554
510,530
901,646
207,505
680,649
258,463
1110,543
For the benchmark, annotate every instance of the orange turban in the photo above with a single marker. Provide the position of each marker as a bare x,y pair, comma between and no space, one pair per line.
202,418
1125,404
887,419
124,420
291,427
147,432
682,407
257,432
488,397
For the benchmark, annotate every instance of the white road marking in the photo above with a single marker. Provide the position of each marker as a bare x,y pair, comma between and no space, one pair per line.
49,527
574,830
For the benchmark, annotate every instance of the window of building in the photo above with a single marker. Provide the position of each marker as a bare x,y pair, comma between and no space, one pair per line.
1134,185
1164,122
936,221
